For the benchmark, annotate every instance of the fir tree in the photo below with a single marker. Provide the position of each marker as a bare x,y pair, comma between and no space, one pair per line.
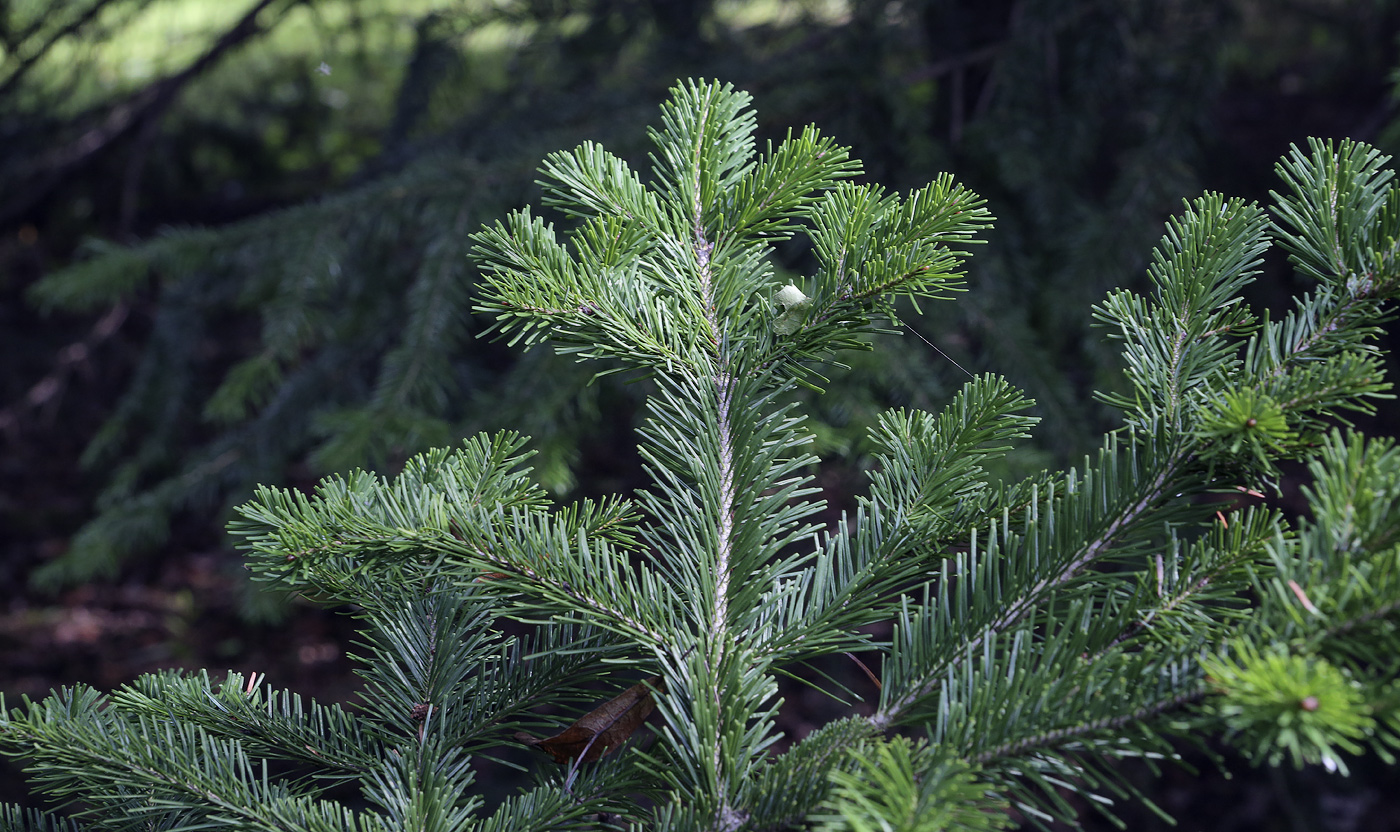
337,333
1042,630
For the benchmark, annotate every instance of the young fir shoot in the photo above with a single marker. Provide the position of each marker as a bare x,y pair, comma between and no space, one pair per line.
1030,635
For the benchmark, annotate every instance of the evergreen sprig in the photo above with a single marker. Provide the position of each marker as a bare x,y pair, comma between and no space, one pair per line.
1039,631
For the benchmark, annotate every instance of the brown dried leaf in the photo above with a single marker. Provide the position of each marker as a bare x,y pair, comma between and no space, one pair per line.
603,729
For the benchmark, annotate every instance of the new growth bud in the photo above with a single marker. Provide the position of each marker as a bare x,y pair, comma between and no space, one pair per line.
794,305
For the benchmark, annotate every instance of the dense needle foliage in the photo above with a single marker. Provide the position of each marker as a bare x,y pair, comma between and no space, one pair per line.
1038,631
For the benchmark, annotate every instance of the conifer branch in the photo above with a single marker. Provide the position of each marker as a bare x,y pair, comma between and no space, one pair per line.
543,583
1132,515
1031,669
1103,725
725,509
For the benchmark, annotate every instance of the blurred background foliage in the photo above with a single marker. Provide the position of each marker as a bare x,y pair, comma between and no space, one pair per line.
233,245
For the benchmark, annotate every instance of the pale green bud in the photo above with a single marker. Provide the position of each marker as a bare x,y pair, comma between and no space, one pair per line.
794,305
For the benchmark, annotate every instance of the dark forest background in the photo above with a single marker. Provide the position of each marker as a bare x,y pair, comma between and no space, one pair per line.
233,250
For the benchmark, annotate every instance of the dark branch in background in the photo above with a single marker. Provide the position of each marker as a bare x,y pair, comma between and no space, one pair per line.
27,63
131,177
957,63
957,66
147,105
73,358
